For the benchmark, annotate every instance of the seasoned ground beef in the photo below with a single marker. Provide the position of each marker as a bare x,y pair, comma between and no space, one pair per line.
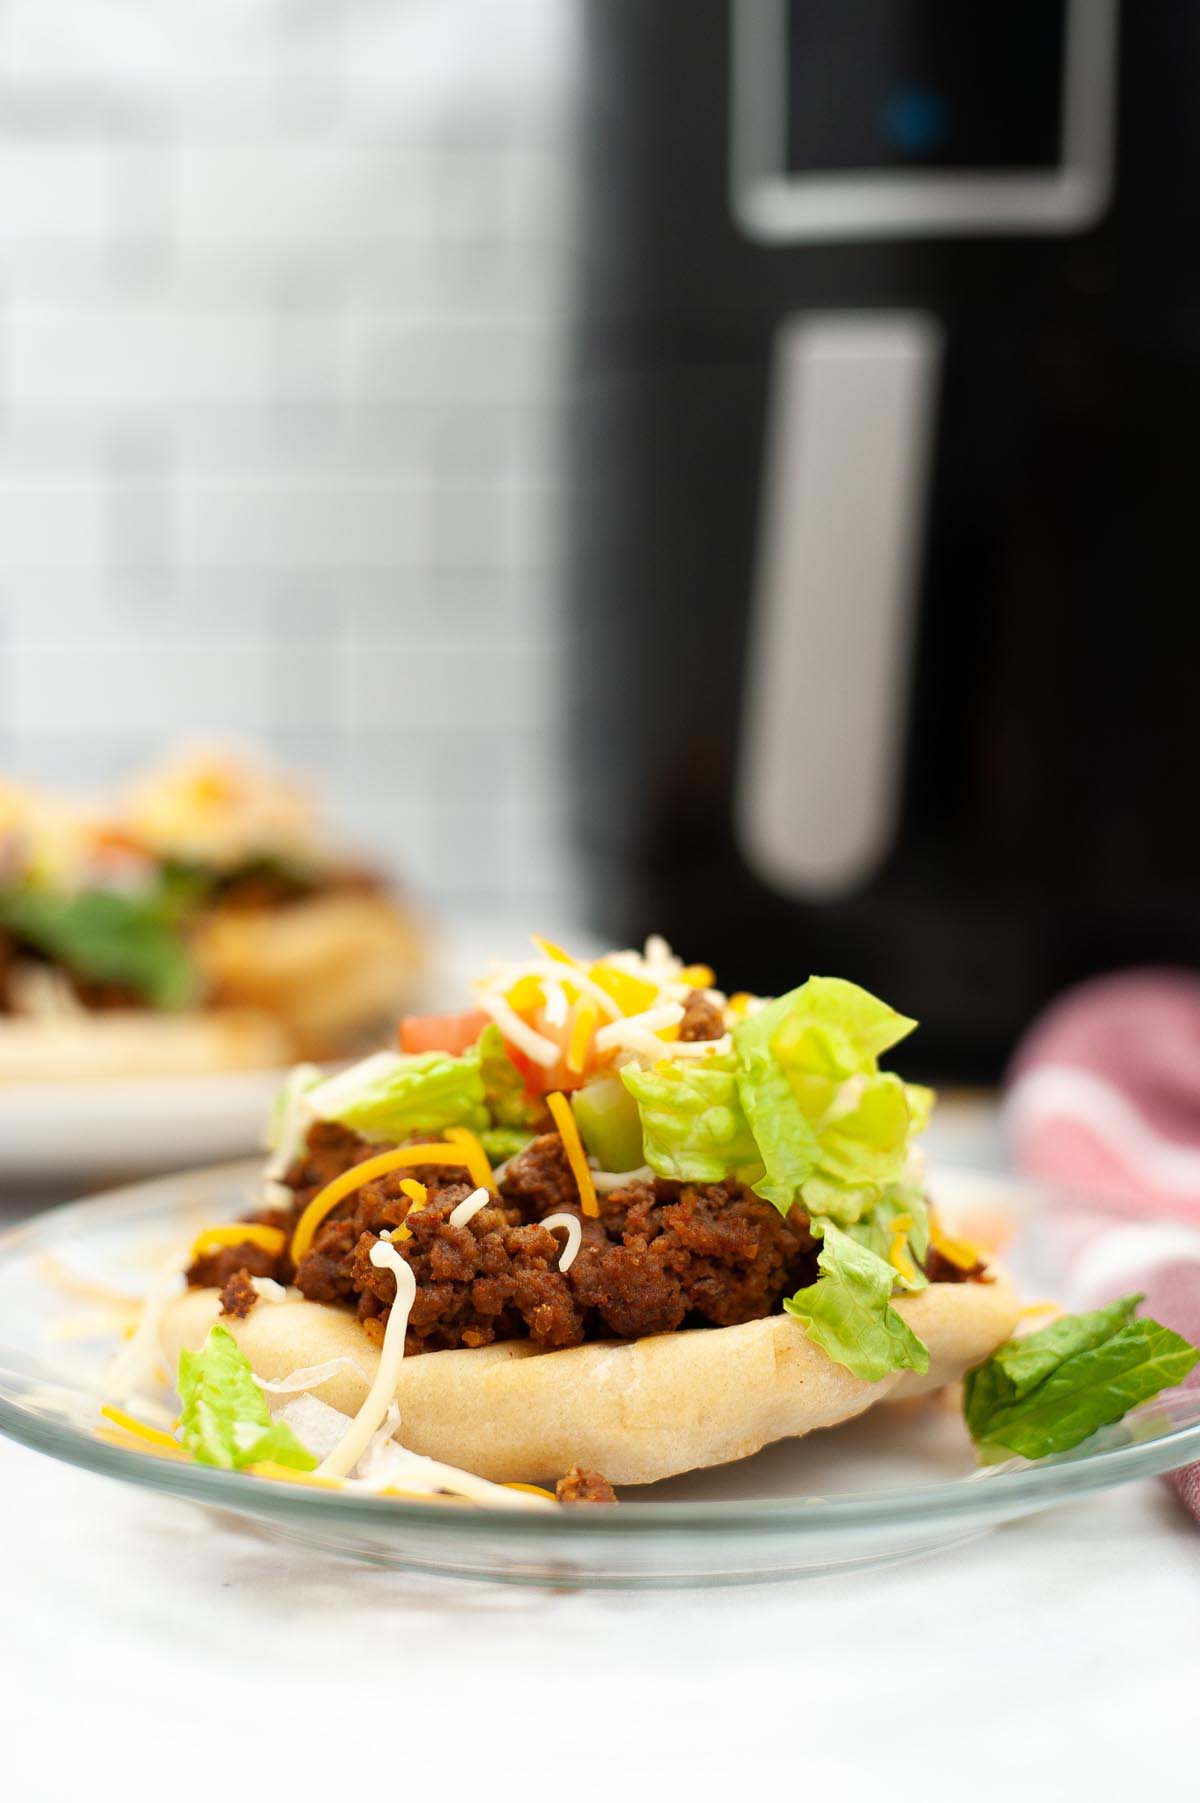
582,1486
103,998
239,1295
702,1019
539,1180
214,1269
939,1269
660,1256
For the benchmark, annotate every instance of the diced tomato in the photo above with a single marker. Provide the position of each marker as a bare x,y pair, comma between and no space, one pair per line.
538,1080
451,1033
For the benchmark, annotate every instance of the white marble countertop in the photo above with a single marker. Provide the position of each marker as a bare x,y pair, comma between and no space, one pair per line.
153,1649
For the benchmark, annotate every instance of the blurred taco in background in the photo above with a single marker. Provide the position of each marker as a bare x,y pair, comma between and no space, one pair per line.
202,922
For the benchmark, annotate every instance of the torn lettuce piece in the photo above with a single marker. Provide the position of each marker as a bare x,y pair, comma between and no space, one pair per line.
393,1094
828,1124
287,1128
897,1230
105,936
1051,1390
693,1126
864,1137
503,1143
224,1418
504,1093
848,1311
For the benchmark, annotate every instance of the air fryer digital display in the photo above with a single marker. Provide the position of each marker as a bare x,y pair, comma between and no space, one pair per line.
924,84
906,118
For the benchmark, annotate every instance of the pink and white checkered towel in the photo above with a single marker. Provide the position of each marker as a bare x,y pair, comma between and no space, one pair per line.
1103,1109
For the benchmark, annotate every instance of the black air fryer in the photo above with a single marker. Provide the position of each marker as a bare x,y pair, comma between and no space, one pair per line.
886,495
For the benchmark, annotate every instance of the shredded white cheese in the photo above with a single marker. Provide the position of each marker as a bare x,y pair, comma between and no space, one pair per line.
353,1444
311,1377
267,1290
607,1181
134,1368
468,1208
543,1051
574,1232
635,1026
292,1116
557,1007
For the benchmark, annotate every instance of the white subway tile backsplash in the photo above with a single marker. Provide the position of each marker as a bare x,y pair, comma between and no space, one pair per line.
257,523
138,357
297,193
282,299
49,523
160,682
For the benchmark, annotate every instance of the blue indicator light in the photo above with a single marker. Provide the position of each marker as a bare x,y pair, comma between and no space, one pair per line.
915,120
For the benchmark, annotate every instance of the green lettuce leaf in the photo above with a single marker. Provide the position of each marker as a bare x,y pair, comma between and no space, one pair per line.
107,937
504,1092
693,1125
820,1111
866,1140
287,1128
783,1134
848,1312
1053,1389
224,1419
501,1143
877,1230
393,1094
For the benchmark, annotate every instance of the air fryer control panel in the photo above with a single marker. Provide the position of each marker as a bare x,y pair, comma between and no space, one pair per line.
920,117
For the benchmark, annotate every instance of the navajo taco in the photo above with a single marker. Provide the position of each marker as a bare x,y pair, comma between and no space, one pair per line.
200,922
609,1222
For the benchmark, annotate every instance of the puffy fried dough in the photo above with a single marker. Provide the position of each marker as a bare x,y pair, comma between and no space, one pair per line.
637,1410
330,969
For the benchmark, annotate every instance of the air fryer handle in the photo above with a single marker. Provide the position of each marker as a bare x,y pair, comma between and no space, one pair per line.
844,501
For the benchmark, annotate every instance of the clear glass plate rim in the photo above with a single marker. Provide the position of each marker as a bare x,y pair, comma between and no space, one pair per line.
959,1499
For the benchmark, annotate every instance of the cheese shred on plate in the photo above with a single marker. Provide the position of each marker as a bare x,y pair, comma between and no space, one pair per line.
357,1438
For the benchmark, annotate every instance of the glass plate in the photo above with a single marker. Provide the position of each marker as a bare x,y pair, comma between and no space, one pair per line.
897,1482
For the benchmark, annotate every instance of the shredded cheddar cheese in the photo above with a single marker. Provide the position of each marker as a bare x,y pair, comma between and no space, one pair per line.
897,1251
240,1233
959,1252
532,1490
697,976
555,953
287,1474
474,1156
526,995
564,1120
631,994
120,1436
582,1028
141,1430
344,1185
418,1195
